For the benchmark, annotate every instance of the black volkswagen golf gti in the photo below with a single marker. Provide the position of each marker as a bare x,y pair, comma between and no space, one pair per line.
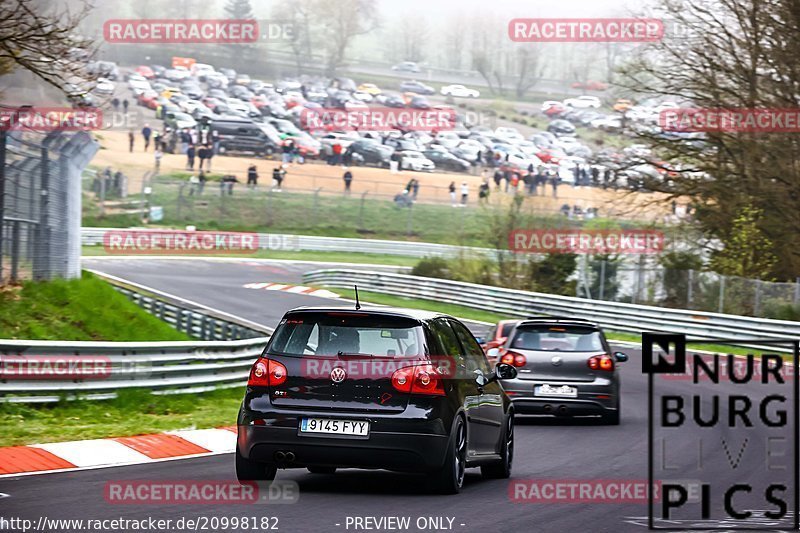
396,389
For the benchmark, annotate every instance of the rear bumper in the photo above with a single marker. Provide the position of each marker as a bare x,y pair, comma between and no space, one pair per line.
594,397
400,451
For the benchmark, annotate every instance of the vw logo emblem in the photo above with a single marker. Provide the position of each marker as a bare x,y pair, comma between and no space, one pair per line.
556,360
338,374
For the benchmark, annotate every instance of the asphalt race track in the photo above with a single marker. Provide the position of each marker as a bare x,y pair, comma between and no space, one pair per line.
545,449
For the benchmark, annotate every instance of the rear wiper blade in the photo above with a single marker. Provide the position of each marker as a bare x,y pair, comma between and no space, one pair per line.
354,354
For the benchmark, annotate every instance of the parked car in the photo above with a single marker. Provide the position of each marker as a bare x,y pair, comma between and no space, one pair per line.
583,102
443,159
369,152
177,120
436,409
104,86
565,368
413,160
147,99
459,91
590,85
145,71
415,86
561,127
622,105
237,134
370,88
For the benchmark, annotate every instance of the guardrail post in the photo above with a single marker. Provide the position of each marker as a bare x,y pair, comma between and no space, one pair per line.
796,291
757,304
203,323
178,318
721,294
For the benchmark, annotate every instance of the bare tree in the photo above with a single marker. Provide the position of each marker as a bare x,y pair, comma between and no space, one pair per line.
46,43
339,22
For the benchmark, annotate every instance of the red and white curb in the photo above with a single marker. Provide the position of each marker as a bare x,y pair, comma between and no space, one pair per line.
297,289
119,451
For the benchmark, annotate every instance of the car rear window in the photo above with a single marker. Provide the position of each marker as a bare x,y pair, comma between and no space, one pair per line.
557,338
507,327
333,333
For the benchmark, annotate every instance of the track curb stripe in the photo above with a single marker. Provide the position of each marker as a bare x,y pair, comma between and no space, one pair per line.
115,451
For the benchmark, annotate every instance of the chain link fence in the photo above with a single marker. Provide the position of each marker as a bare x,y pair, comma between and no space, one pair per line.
40,203
640,282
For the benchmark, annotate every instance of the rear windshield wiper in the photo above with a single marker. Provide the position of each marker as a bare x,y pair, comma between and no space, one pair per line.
354,354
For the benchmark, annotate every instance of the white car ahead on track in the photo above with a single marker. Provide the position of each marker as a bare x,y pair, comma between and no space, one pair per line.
583,102
459,91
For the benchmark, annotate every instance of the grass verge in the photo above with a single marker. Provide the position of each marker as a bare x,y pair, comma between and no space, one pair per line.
85,309
133,412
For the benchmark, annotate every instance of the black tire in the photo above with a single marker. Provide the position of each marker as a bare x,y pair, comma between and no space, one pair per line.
247,470
611,418
502,469
322,469
450,478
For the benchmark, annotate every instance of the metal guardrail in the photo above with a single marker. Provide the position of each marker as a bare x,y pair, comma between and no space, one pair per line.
286,242
221,359
165,367
514,303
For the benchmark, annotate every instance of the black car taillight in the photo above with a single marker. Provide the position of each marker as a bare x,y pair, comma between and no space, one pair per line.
266,373
418,379
601,362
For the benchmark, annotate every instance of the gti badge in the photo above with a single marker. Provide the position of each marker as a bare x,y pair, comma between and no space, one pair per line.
556,360
338,374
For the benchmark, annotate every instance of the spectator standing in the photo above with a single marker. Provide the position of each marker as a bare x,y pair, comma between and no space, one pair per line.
554,183
125,105
202,155
483,192
415,188
252,177
348,179
452,189
337,154
498,177
277,175
209,156
464,194
185,140
115,104
287,149
190,155
131,139
157,141
146,132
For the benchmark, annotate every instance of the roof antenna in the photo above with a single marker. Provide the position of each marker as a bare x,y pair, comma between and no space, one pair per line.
358,304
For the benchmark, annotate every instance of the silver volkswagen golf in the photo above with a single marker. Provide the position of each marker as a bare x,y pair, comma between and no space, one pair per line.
565,368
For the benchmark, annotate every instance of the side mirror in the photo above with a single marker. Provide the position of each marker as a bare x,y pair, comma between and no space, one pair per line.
620,357
504,371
